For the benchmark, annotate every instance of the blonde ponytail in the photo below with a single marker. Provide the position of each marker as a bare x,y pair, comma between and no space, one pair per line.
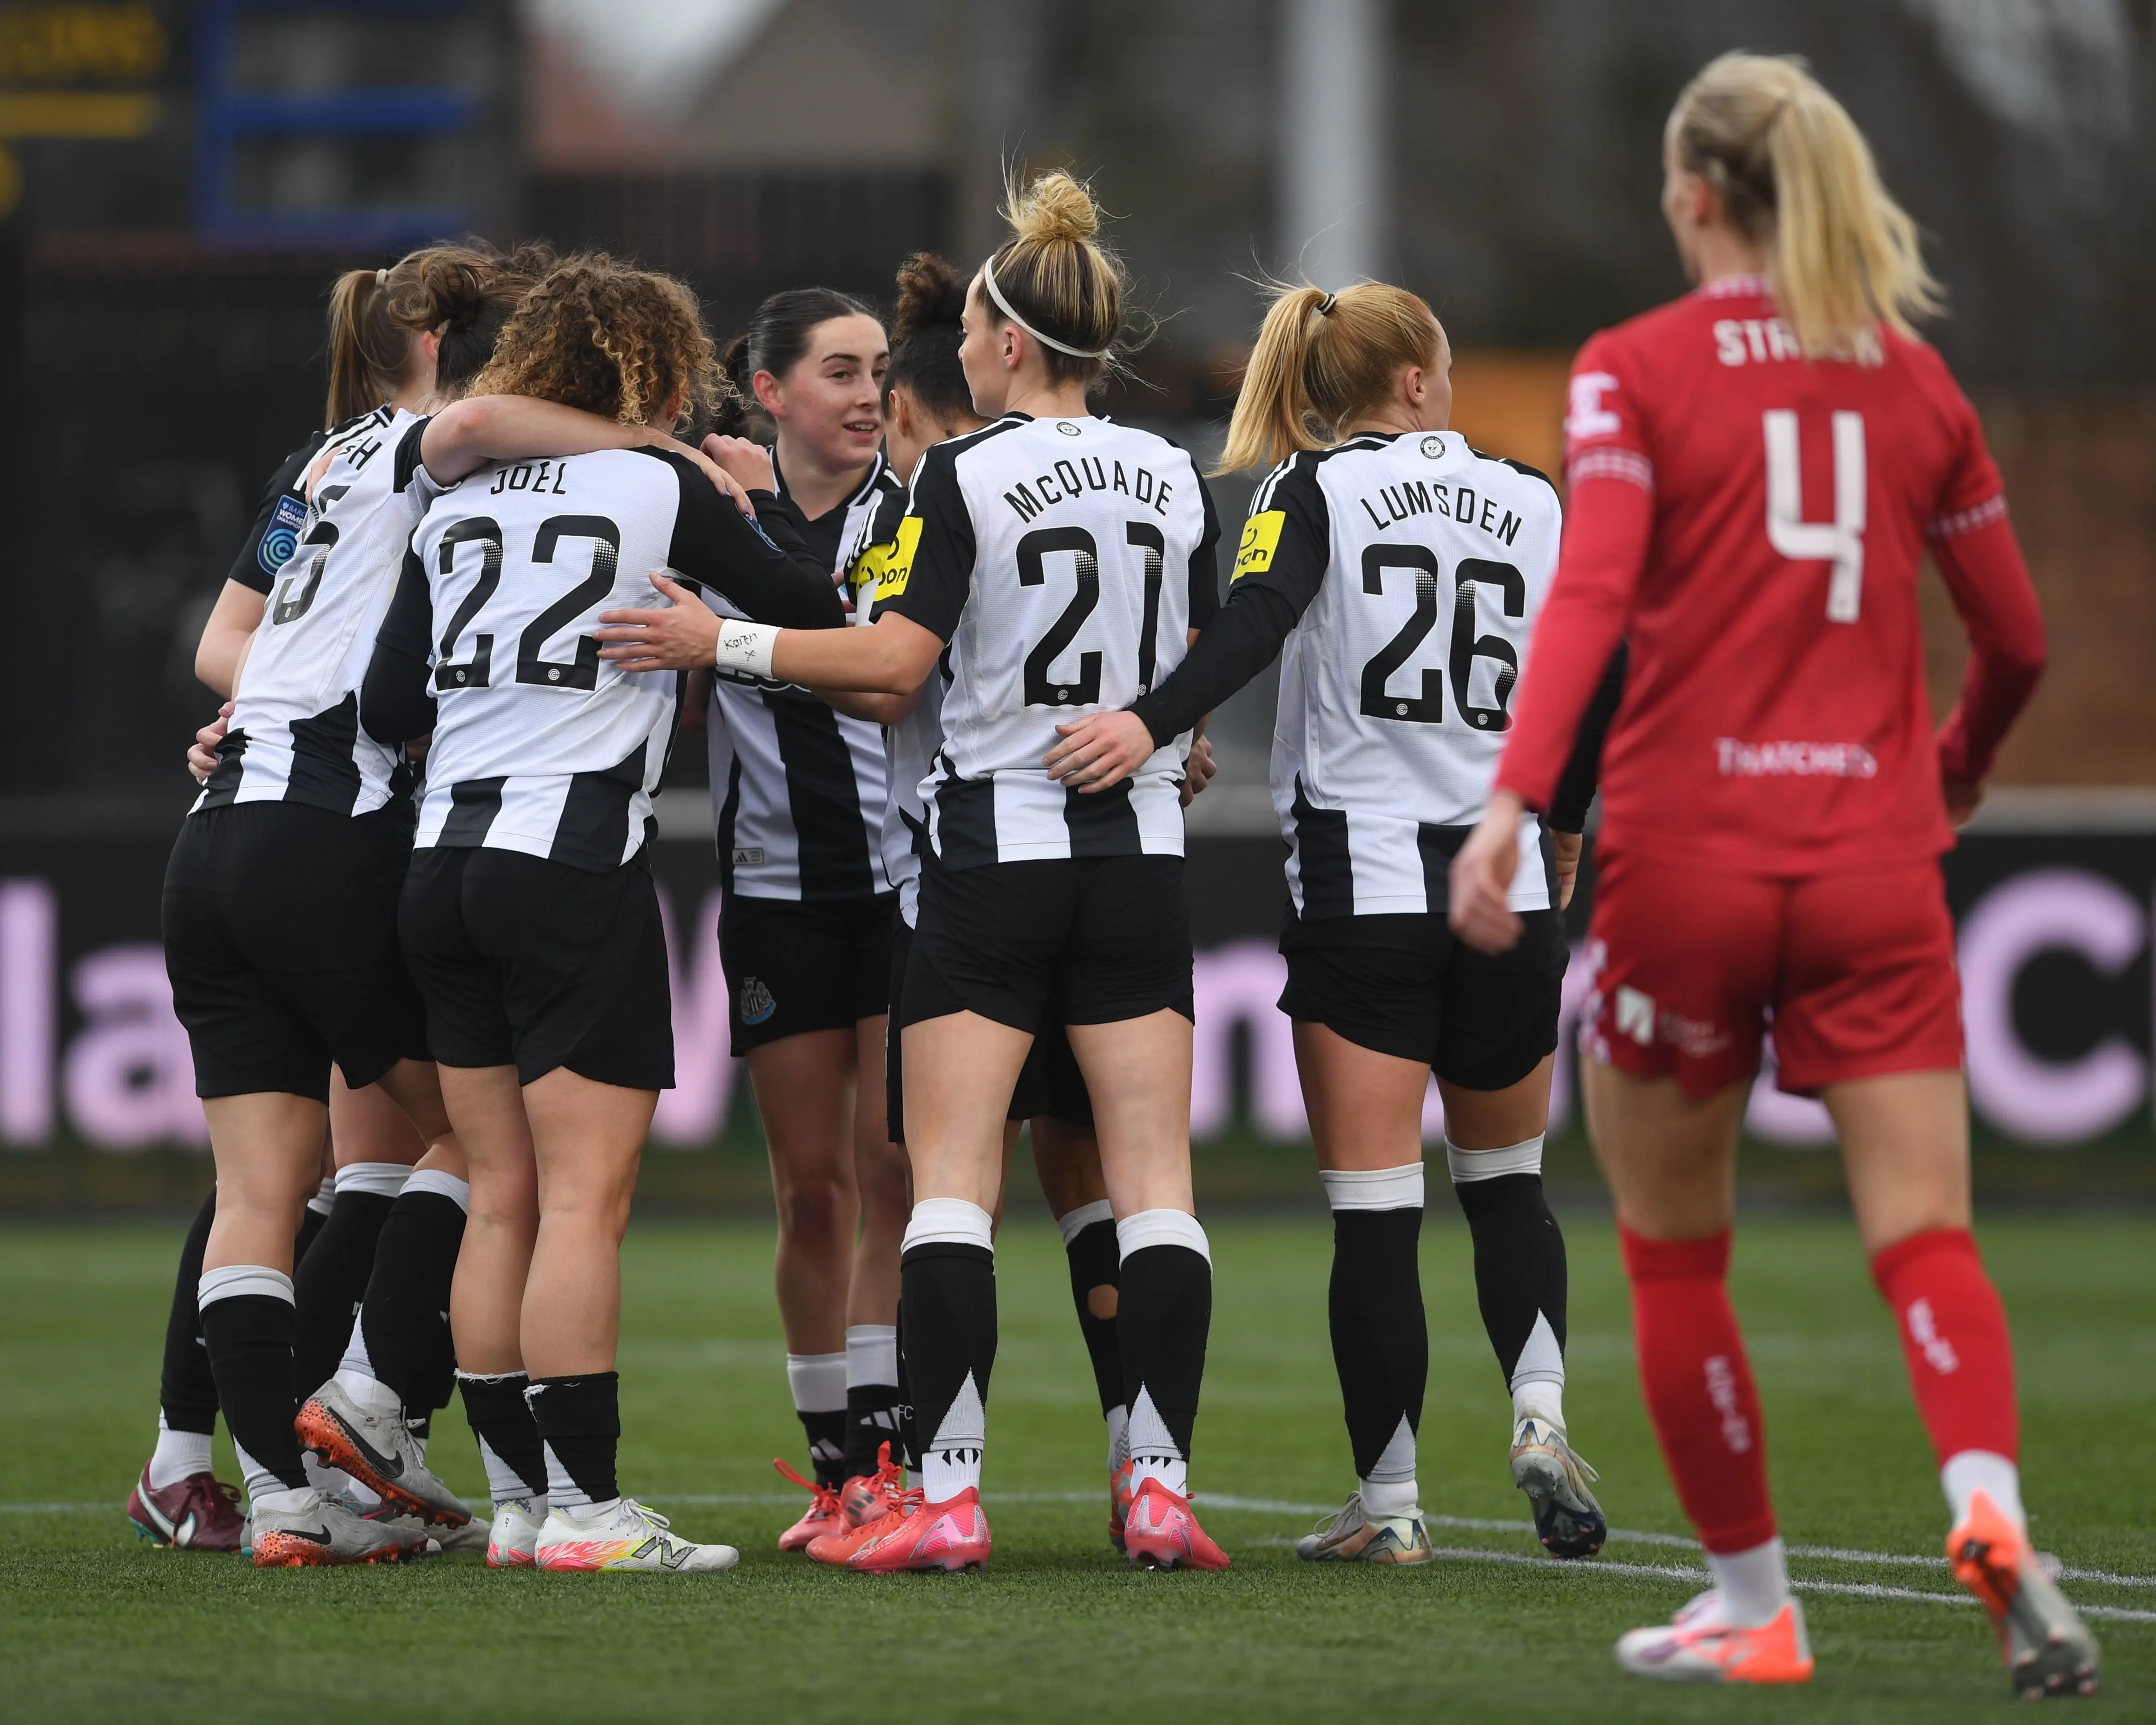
1797,177
1321,360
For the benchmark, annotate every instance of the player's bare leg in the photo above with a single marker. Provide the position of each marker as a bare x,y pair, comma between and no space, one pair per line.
883,1181
1670,1160
1905,1144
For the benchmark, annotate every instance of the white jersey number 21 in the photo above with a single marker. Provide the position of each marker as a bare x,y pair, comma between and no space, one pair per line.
1840,541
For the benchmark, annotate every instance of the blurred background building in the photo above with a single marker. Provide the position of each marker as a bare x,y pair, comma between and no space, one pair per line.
179,182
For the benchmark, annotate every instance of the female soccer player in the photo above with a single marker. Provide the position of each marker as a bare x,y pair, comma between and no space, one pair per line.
805,928
1061,560
529,915
280,898
927,402
1756,471
1376,522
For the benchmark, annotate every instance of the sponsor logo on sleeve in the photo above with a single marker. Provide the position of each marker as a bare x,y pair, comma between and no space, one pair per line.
281,537
898,560
1260,540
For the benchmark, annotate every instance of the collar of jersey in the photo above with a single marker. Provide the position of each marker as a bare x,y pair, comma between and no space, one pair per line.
1734,287
877,468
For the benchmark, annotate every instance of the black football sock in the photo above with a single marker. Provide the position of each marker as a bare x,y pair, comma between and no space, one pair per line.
1164,1317
186,1388
1088,1244
508,1445
1380,1336
872,1406
247,1330
579,1421
331,1280
907,1450
313,1220
403,1327
1520,1276
948,1282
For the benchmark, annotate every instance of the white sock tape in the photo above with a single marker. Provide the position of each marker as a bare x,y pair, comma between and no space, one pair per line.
443,1184
235,1279
1524,1158
1073,1223
949,1221
1153,1228
377,1179
325,1196
871,1354
817,1381
1373,1188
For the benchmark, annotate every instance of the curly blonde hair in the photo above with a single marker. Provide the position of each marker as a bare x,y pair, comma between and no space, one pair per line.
619,343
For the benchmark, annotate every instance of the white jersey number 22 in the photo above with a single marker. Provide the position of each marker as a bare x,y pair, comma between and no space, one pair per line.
1840,541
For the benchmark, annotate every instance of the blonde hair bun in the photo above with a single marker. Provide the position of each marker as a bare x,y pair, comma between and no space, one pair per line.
1052,209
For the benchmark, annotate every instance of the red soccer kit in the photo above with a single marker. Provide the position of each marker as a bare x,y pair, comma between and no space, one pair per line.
1752,523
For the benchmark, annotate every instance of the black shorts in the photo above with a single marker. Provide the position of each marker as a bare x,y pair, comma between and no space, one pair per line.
527,961
1049,1083
793,966
1408,986
1064,941
280,937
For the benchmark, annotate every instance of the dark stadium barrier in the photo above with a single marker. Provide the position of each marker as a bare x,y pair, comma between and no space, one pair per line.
2055,939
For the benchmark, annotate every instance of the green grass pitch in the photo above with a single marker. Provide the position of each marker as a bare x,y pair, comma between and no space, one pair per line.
94,1625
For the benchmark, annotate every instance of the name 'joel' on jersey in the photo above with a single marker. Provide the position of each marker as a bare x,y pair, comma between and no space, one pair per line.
1060,559
910,745
294,734
540,745
1395,685
799,791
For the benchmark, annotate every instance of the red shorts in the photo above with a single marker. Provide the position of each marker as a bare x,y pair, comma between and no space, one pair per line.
1853,972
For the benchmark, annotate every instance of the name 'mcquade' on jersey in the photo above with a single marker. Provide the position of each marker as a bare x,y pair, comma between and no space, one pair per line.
294,734
1399,577
1065,561
539,745
799,791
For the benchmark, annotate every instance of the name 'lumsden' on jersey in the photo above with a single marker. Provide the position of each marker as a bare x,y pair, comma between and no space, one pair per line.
1417,566
540,745
1065,561
295,735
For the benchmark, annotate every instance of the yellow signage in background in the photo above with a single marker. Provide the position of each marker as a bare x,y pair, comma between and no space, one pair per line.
47,50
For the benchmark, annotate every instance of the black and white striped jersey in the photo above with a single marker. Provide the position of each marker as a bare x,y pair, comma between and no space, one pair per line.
294,734
1064,560
1418,566
540,745
798,791
910,746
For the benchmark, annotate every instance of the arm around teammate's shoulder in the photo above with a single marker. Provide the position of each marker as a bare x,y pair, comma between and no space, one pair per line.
395,705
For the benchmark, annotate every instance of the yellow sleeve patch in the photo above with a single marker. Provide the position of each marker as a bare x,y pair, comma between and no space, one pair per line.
867,572
1260,540
898,560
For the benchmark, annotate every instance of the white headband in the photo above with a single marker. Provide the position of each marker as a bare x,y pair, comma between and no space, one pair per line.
1003,305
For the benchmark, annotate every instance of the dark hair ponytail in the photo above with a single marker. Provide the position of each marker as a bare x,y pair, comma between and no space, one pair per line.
465,295
368,348
777,338
925,335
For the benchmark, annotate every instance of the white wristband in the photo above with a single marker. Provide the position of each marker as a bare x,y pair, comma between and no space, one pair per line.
746,646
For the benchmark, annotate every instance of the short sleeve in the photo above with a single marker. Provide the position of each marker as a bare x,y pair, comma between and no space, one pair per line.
279,520
1287,540
1604,435
931,572
1972,494
1205,563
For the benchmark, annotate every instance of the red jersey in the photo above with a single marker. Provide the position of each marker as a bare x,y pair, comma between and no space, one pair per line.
1752,523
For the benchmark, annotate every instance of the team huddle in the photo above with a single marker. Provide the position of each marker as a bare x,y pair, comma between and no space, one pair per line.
954,637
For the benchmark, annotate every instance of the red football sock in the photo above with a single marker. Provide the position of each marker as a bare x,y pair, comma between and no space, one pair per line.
1954,1336
1698,1386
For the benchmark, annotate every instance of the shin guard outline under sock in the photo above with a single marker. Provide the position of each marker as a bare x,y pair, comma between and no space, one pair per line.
1698,1387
